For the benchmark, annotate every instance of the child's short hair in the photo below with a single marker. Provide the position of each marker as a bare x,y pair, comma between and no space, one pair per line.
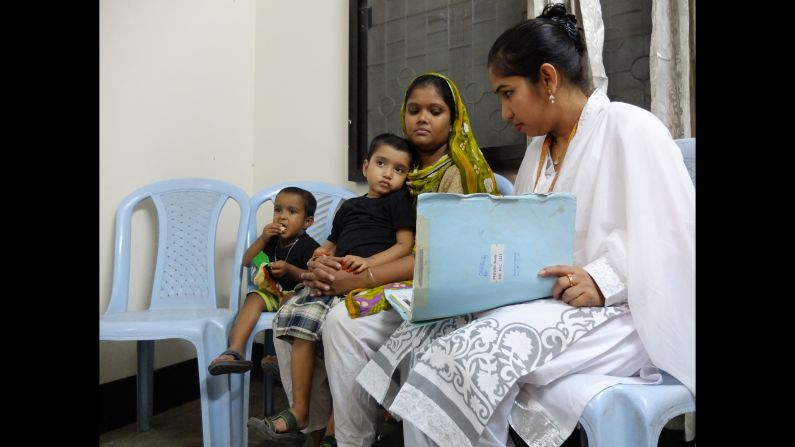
310,203
392,140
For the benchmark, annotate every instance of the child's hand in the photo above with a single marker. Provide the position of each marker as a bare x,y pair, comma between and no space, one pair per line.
354,264
320,252
272,229
278,268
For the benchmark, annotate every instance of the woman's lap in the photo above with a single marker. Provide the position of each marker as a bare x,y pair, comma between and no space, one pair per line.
611,346
501,349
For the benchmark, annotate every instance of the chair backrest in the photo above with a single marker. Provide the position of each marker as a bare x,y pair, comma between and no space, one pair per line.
188,211
504,185
328,196
688,148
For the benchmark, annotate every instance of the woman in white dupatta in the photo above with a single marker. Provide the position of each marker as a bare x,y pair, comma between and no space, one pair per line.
626,307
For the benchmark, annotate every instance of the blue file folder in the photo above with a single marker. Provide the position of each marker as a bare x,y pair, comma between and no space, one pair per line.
476,252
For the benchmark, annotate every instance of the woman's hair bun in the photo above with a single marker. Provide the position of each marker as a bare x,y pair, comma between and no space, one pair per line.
556,13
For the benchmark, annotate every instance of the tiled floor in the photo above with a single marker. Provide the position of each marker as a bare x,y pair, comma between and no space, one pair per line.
181,427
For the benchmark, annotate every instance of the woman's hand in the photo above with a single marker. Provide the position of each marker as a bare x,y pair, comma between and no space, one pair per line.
326,277
574,286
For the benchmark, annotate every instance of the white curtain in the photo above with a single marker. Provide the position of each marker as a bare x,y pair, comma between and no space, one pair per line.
672,65
672,56
589,18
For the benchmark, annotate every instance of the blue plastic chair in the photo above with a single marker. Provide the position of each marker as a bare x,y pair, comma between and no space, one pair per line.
688,147
183,301
634,415
504,185
329,197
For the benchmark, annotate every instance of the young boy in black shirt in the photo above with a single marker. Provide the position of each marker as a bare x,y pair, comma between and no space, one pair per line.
289,248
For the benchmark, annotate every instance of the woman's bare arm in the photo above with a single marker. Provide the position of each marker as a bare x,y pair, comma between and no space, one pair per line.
327,277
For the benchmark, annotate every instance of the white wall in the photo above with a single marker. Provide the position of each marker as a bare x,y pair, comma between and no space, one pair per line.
301,107
250,92
301,94
176,100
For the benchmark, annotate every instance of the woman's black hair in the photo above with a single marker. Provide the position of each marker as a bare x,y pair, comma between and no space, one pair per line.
552,37
441,88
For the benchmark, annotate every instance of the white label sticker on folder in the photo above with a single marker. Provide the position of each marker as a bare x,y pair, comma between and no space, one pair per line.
497,263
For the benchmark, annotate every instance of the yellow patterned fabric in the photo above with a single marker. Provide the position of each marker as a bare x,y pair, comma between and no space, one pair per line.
476,174
428,179
265,282
364,302
271,302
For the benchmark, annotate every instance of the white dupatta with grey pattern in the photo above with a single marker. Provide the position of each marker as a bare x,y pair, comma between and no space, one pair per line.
462,367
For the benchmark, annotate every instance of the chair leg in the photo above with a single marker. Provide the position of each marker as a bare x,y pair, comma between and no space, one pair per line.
268,395
238,384
145,379
219,398
268,375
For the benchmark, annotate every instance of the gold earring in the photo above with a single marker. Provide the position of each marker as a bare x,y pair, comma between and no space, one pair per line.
551,97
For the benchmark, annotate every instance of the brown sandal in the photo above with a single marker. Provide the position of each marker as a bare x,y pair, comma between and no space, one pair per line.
237,366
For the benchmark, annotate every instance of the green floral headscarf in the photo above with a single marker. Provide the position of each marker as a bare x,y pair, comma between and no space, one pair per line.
476,174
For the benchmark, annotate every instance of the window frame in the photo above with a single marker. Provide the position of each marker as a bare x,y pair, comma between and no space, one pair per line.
507,157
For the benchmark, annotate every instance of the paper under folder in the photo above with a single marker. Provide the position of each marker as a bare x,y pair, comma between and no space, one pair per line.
476,252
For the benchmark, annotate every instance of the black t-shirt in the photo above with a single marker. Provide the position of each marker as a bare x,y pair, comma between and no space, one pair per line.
297,255
365,226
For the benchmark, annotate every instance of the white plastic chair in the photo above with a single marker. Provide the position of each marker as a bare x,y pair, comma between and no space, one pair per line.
183,301
634,415
329,197
504,185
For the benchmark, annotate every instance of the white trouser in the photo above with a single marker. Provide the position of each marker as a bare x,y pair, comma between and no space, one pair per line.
610,354
319,399
349,343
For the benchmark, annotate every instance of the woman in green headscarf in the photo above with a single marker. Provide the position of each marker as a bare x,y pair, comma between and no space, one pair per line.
435,121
